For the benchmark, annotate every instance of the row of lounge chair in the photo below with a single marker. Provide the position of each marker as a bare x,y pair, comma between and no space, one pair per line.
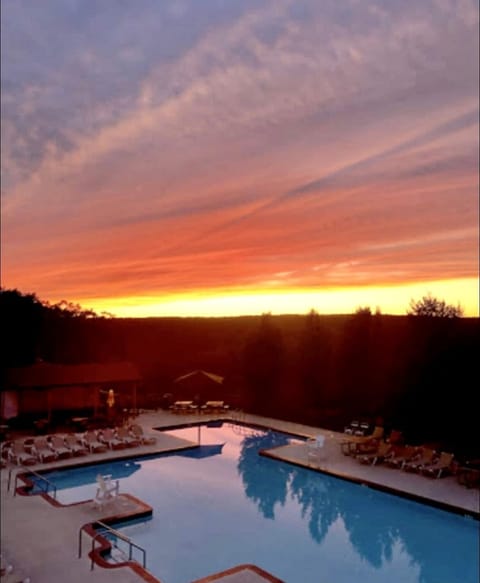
45,449
393,453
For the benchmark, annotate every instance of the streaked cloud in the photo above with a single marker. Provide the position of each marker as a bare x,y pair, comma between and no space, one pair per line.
175,146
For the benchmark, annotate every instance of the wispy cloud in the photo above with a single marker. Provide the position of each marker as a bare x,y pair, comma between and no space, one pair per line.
189,145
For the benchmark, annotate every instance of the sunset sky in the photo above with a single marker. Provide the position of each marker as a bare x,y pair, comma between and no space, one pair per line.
224,157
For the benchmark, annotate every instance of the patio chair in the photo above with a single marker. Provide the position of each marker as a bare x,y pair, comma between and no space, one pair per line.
439,468
364,429
107,490
108,437
127,438
18,455
57,444
424,457
91,442
74,445
42,450
137,431
384,450
351,427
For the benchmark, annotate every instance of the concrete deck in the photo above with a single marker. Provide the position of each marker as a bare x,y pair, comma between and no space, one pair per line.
41,540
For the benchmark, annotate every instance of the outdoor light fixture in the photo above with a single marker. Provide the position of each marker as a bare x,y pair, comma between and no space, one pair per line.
110,398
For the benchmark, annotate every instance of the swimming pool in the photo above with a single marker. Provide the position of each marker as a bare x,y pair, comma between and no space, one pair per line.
224,505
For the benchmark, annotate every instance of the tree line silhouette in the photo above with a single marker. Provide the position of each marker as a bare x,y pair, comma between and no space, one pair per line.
413,372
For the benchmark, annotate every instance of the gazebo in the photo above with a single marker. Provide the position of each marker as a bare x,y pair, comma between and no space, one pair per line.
44,388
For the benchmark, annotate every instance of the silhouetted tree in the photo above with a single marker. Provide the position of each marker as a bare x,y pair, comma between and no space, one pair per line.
364,310
354,359
314,359
263,361
434,308
21,317
436,402
32,328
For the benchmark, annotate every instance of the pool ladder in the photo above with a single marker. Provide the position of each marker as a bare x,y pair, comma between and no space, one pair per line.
36,474
118,535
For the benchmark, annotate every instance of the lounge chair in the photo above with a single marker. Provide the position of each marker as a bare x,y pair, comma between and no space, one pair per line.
91,442
74,445
43,451
424,457
18,455
108,437
107,490
137,431
57,444
439,468
384,450
402,455
127,438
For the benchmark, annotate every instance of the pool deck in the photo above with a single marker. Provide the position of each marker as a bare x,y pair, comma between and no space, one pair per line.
41,539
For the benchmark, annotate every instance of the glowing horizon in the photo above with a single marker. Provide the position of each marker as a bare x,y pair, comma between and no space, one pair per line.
391,300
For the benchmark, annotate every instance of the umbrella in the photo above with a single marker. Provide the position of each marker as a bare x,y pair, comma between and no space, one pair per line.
199,381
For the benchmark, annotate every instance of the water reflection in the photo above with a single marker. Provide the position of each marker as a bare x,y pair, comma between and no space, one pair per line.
265,483
378,524
315,500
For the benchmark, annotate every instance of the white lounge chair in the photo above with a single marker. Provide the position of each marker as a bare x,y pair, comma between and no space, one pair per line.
126,437
90,440
57,444
138,433
74,445
18,455
109,437
43,451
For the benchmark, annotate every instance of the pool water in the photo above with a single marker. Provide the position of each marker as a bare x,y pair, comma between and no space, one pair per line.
224,505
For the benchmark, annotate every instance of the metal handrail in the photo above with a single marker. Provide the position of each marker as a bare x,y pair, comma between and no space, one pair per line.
30,471
119,535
